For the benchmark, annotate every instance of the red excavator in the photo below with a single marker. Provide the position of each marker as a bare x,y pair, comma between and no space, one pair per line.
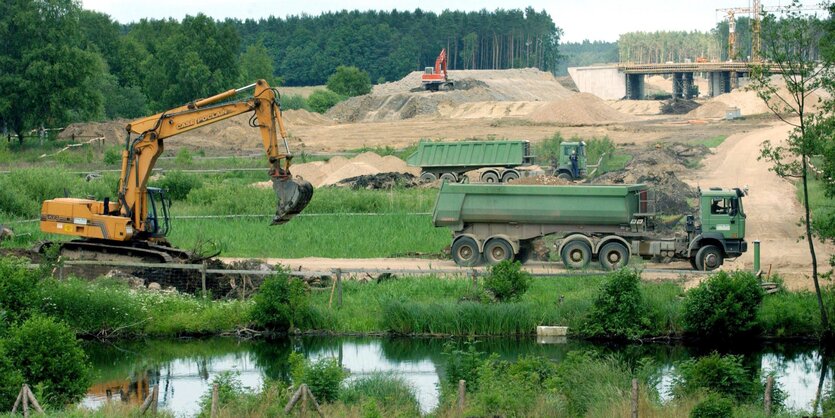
436,78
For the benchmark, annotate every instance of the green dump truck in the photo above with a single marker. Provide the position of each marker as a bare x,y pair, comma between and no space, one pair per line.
498,161
609,224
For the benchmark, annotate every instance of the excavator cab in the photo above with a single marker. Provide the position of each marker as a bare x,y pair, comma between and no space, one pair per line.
158,222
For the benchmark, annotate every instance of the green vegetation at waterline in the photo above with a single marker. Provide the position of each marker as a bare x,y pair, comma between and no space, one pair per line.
427,305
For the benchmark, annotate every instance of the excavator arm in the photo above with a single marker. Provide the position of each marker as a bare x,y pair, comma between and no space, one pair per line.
128,218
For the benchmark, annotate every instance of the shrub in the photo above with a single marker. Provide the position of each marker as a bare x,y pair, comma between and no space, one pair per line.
349,81
18,289
281,303
722,374
507,281
463,364
511,388
113,155
48,354
714,406
10,381
324,377
322,100
229,388
618,310
294,102
391,391
178,184
183,158
725,305
89,309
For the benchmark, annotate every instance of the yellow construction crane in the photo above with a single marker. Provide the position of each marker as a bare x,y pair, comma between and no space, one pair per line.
755,9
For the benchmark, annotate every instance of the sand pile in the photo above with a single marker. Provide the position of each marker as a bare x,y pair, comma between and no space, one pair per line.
636,107
404,99
658,83
113,131
710,110
233,133
579,109
749,104
337,169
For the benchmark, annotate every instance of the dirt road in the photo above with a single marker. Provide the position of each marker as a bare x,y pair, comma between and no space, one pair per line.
772,208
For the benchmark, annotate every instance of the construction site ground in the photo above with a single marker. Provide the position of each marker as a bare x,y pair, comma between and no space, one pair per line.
532,105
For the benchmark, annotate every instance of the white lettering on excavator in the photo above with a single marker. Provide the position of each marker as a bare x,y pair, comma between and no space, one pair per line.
210,116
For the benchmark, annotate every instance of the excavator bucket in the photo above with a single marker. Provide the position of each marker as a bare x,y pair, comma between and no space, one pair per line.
293,196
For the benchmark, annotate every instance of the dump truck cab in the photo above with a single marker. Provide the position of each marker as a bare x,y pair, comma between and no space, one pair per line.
720,232
572,163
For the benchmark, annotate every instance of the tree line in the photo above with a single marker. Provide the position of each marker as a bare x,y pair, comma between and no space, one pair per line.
60,63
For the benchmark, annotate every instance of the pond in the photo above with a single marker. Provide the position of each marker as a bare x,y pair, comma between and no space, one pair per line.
185,368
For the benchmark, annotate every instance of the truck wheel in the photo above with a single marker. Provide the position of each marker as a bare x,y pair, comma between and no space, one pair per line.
509,176
428,177
693,263
576,254
490,177
613,255
709,258
497,250
450,177
465,252
564,176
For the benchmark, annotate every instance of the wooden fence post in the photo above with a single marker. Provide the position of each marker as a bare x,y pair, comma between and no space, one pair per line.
634,398
339,288
203,277
304,401
155,402
303,394
32,398
214,400
462,393
146,404
769,384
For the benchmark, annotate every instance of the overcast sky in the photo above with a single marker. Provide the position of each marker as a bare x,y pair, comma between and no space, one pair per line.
579,20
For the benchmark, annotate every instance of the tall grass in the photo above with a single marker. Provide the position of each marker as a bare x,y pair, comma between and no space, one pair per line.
821,205
466,318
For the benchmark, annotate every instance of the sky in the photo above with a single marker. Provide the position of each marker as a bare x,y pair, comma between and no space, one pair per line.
601,20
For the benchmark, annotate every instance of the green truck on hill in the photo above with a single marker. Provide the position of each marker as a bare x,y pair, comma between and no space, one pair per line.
498,161
609,224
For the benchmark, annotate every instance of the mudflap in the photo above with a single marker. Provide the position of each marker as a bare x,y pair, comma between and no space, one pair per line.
293,196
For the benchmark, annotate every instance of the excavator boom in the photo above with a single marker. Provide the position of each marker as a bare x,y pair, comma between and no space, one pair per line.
139,213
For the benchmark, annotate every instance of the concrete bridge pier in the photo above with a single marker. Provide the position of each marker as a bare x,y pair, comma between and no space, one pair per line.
687,85
635,86
720,83
678,86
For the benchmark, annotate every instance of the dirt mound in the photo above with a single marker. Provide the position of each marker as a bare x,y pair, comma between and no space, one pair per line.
660,167
113,131
579,109
477,110
749,104
541,179
710,110
381,181
658,83
403,99
337,169
303,117
636,107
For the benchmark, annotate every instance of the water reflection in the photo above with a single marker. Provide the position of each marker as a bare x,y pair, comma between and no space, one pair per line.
184,369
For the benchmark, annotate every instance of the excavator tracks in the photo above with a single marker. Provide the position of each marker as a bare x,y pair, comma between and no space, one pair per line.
139,252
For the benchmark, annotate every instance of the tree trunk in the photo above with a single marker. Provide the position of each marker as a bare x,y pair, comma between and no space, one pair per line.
811,240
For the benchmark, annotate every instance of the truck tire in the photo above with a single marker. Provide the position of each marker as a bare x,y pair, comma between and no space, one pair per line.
613,255
509,176
465,252
564,176
449,177
709,258
497,250
576,254
428,177
490,177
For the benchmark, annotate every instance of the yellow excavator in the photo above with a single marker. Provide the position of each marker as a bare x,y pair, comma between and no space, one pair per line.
136,223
